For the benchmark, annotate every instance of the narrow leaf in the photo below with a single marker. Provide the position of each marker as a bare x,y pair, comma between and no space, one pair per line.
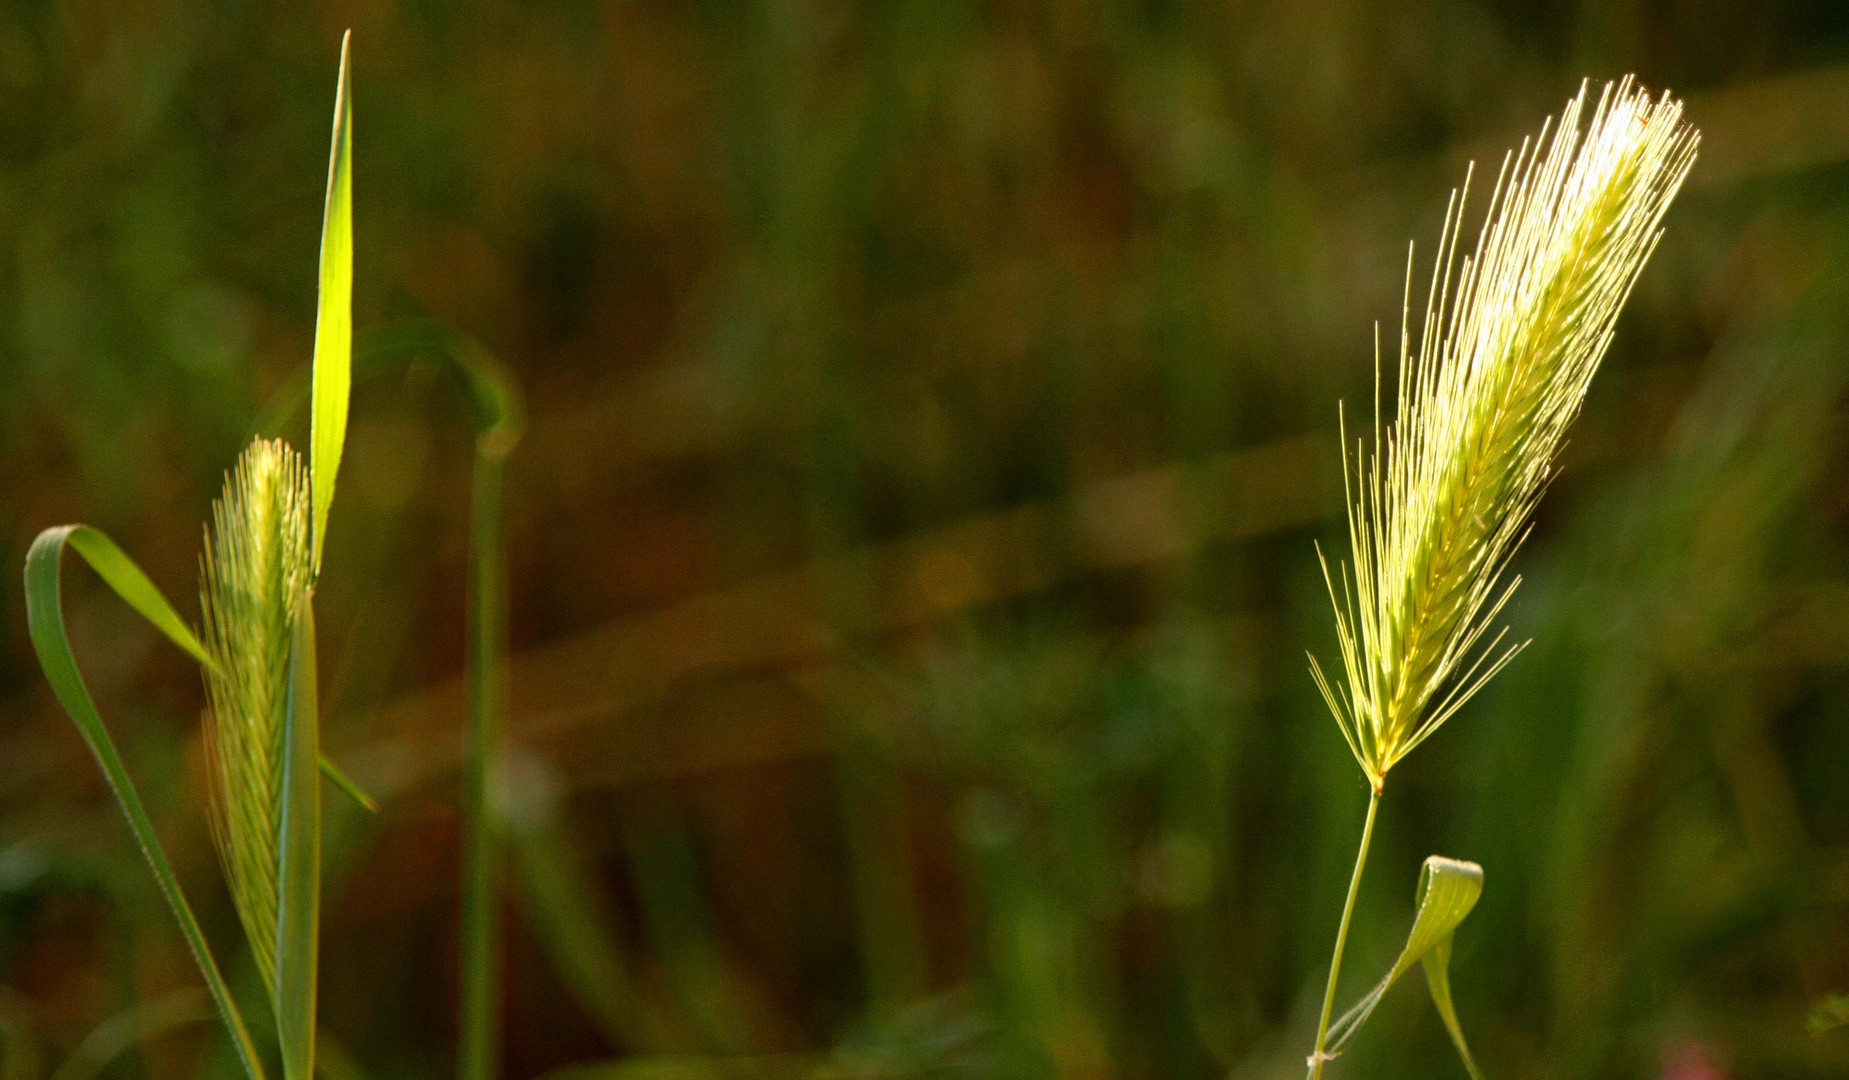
333,365
45,621
132,585
1448,889
347,785
298,915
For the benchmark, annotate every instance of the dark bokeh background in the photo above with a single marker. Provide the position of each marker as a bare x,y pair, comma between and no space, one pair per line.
932,412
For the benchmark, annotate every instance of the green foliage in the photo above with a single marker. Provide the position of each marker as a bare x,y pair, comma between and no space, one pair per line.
1448,889
333,361
45,617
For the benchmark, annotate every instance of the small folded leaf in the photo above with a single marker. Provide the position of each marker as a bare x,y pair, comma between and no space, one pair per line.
1448,889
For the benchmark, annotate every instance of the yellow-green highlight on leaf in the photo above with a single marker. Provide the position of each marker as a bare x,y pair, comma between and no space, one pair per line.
45,622
132,585
1448,889
496,408
333,363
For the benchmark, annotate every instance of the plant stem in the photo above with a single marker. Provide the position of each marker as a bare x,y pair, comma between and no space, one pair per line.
480,952
1341,937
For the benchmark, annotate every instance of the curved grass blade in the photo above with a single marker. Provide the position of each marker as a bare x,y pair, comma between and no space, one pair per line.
333,364
489,391
121,573
298,885
497,411
1448,889
45,621
129,582
140,1022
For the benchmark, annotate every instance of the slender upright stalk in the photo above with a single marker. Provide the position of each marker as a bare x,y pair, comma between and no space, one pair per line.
480,949
1341,937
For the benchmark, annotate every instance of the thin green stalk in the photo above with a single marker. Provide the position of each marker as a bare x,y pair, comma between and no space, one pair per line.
1341,937
480,1028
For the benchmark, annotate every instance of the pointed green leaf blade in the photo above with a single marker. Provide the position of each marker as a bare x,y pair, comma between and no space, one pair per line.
45,623
333,365
132,585
298,915
1437,964
1448,889
348,786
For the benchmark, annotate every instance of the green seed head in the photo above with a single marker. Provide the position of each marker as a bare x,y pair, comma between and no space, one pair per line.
255,575
1508,345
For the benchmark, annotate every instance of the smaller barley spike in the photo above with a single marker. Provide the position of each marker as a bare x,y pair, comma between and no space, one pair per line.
256,575
1508,344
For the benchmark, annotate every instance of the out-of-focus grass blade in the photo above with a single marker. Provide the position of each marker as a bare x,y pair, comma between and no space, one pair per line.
1448,889
679,922
1832,1011
347,784
753,1067
496,407
481,961
19,1051
138,1023
45,621
497,412
298,915
333,364
561,907
334,1062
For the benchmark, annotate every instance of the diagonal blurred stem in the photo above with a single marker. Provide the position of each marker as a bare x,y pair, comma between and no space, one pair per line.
1317,1058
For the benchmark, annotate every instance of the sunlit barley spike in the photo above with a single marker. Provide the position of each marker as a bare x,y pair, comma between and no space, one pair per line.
1509,342
255,574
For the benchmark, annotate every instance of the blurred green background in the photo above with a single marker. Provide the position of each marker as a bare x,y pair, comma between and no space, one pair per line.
932,412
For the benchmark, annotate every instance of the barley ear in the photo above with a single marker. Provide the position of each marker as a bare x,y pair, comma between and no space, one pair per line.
1503,355
256,577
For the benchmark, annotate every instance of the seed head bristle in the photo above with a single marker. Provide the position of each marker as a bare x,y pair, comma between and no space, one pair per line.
254,575
1509,341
